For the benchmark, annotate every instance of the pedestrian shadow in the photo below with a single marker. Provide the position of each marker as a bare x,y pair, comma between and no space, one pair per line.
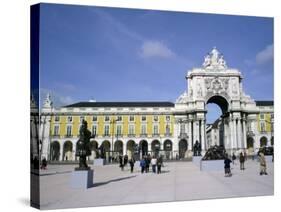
111,181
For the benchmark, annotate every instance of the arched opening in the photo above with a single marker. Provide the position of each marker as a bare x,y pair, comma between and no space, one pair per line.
67,151
94,150
118,148
183,149
131,148
155,147
217,113
55,151
263,141
143,148
105,150
250,145
168,149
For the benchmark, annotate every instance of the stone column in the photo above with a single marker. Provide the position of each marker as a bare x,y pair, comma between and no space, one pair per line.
234,133
203,142
175,148
61,151
46,137
231,130
149,146
196,130
244,134
124,148
189,136
73,151
239,134
176,129
255,131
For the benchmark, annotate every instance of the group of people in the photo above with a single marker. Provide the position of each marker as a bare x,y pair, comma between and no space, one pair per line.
156,163
242,159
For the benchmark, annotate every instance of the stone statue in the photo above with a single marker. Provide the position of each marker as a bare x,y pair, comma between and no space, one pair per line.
83,146
207,61
222,62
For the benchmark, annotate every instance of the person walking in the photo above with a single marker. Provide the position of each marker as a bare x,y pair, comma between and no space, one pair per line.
242,161
121,162
154,163
233,158
227,162
148,162
126,160
262,164
142,165
245,155
159,164
132,164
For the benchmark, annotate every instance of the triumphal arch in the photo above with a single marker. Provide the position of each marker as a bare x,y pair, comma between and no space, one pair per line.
215,82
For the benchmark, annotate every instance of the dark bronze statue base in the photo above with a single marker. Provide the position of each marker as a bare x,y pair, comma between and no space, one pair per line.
82,168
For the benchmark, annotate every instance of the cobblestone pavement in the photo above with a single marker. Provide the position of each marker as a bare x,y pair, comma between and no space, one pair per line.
178,181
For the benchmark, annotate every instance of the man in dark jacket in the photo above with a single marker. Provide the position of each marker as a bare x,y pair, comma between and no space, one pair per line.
121,162
142,165
242,161
227,162
132,163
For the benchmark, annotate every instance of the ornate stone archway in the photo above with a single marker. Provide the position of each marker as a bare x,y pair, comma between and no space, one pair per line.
215,82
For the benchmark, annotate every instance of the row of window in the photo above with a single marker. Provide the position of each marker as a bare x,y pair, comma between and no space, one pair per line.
118,130
262,116
107,118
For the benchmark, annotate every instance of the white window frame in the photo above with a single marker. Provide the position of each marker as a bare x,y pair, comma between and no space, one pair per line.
130,118
58,129
155,126
96,127
107,117
119,126
95,120
68,119
131,129
143,126
69,127
108,130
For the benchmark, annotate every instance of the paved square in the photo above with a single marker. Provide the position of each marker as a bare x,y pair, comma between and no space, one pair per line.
179,181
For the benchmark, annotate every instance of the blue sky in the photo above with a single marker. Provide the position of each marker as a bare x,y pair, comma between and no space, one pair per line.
111,54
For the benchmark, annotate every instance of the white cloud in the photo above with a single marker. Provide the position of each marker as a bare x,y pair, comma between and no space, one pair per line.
266,55
155,49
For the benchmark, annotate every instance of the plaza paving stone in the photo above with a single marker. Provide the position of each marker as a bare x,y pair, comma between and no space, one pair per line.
179,181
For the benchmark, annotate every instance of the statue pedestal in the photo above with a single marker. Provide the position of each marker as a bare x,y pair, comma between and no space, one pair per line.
137,164
99,162
212,165
196,160
82,179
